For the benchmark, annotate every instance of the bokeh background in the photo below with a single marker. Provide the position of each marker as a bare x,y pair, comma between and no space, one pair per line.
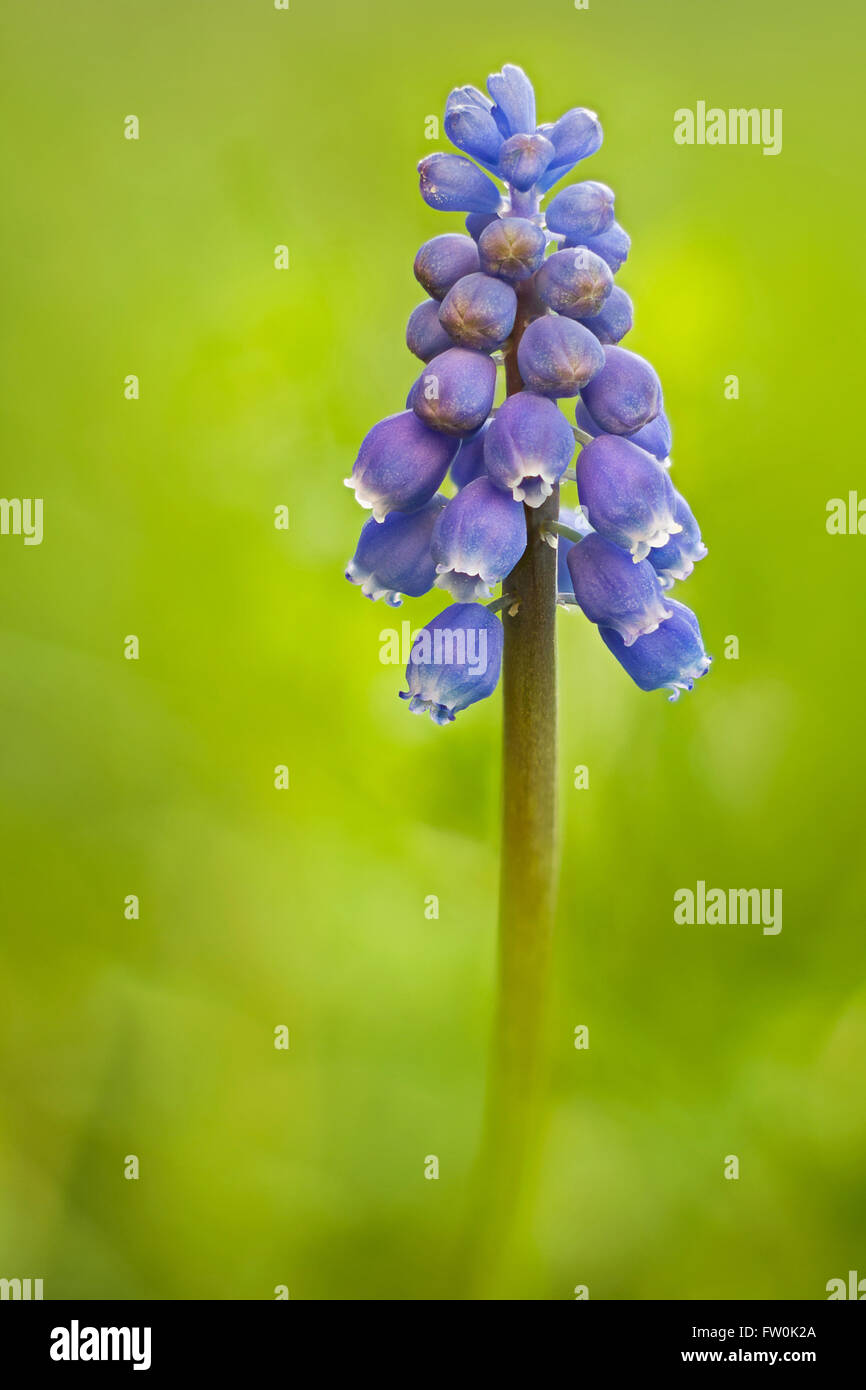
306,907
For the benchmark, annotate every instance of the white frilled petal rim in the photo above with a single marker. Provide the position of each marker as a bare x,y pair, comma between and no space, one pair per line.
678,573
372,587
688,679
642,545
652,622
534,488
465,586
368,500
440,714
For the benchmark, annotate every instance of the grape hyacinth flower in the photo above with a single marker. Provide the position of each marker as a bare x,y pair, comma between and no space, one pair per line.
670,658
556,356
582,210
575,283
443,260
627,495
528,291
614,591
625,394
477,540
523,159
454,662
478,311
455,392
513,100
511,247
469,124
528,447
454,184
400,465
393,557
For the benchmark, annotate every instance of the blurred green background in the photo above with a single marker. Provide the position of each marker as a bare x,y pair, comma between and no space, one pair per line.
306,907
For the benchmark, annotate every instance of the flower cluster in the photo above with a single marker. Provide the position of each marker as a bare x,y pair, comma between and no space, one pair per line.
539,285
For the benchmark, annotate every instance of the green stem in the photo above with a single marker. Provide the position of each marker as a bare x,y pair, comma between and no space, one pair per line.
529,868
496,605
559,528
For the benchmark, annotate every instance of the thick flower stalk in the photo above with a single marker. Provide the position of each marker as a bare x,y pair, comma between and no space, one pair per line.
464,494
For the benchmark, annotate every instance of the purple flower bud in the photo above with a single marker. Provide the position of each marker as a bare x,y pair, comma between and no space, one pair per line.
528,447
443,260
523,159
625,395
670,658
575,136
477,221
454,662
468,96
614,319
400,465
511,90
627,494
655,437
613,245
477,540
512,248
479,311
394,557
454,184
470,126
581,210
425,335
454,394
556,357
615,592
575,517
677,559
575,283
469,463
